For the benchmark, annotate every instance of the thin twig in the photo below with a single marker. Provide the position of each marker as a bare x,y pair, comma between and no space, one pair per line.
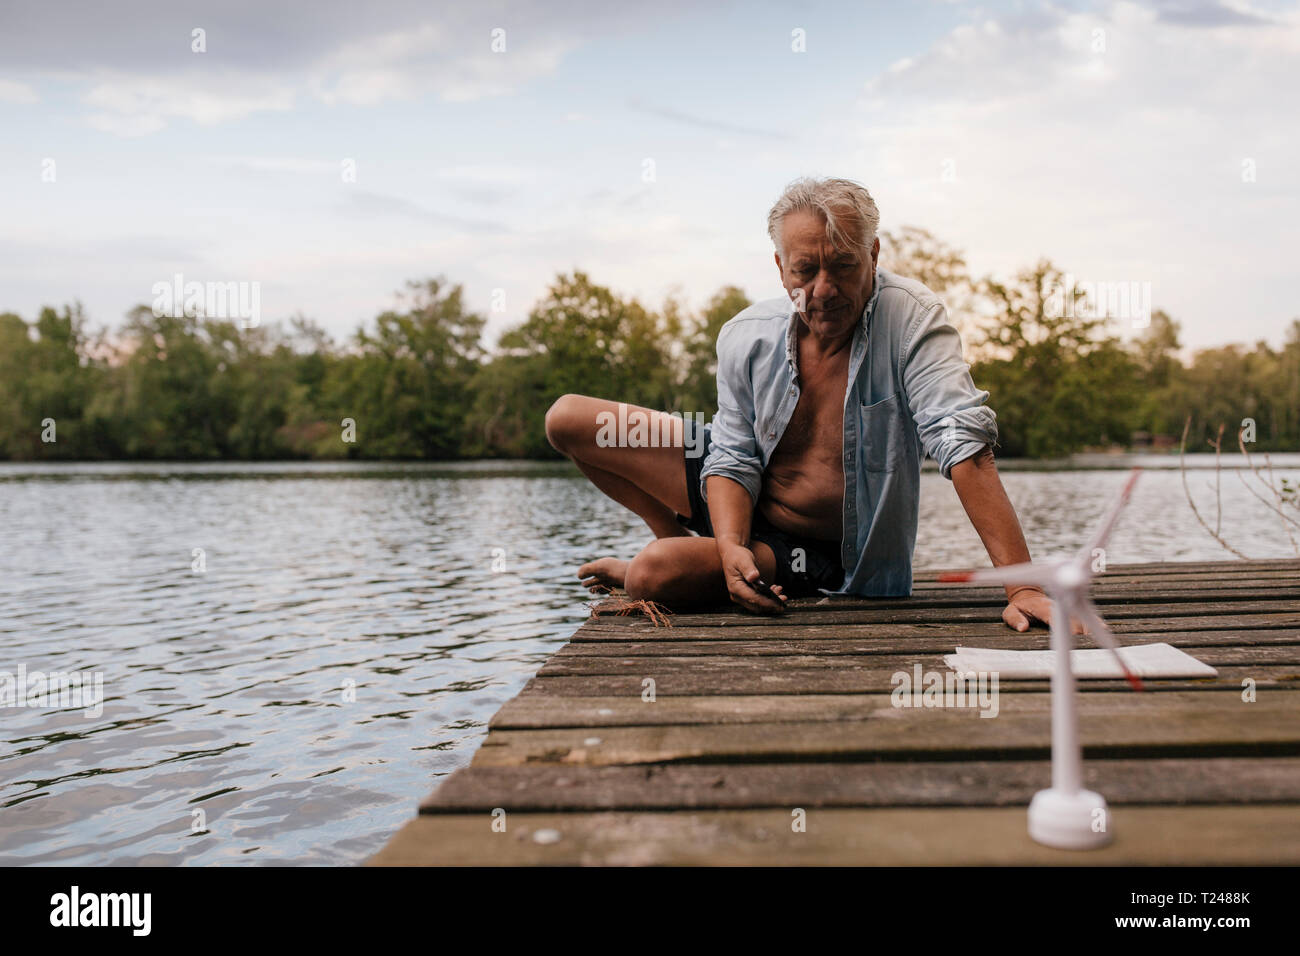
1277,490
1277,493
659,615
1182,468
1286,519
1254,469
1218,483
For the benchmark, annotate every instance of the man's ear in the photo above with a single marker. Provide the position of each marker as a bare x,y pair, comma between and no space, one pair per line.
780,270
875,251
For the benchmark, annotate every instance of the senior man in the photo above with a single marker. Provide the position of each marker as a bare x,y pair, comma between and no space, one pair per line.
827,400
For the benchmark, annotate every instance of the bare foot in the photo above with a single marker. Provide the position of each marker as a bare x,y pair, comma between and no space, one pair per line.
603,574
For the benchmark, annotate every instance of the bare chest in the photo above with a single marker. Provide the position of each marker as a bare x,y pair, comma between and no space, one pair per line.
816,428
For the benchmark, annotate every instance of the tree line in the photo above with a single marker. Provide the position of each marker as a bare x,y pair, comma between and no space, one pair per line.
418,382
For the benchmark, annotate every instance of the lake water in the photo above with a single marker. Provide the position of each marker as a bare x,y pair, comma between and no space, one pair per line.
352,628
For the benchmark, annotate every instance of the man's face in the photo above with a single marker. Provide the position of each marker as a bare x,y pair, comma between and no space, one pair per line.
832,285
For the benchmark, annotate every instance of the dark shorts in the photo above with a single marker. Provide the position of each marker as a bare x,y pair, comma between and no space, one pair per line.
802,564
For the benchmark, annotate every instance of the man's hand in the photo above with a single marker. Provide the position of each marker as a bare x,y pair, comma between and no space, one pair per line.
1029,605
1026,607
989,509
740,573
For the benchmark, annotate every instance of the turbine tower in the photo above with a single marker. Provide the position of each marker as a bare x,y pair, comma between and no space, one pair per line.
1066,815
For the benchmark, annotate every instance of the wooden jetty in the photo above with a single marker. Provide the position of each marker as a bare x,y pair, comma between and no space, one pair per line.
773,740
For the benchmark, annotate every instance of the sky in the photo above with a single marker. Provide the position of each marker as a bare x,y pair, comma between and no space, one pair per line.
331,151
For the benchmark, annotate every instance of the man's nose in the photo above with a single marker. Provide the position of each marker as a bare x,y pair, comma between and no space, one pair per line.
823,288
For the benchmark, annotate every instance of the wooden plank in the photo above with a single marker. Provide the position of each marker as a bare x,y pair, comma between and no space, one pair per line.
897,613
1163,568
1246,578
970,597
1267,834
777,646
1225,780
1107,587
743,628
615,661
822,680
538,711
916,733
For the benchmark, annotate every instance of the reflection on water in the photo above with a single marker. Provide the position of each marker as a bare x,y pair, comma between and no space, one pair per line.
230,691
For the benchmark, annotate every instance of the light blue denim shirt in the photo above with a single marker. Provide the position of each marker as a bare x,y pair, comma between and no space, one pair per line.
909,393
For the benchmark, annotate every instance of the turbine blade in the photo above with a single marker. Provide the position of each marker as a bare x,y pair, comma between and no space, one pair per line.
1101,634
1107,523
1040,574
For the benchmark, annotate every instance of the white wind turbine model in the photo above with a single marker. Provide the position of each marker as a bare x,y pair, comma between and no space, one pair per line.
1066,815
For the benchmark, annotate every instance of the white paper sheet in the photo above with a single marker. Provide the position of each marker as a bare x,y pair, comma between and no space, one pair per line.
1144,660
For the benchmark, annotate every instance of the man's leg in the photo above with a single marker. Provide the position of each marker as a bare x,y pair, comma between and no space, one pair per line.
687,572
651,482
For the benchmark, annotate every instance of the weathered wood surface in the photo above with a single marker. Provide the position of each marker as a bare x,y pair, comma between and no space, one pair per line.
720,786
688,627
950,732
755,720
564,665
822,680
833,643
896,612
536,712
1267,833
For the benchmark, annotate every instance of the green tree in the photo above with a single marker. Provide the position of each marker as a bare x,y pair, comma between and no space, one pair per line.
408,387
582,338
19,432
915,253
1057,379
700,388
171,405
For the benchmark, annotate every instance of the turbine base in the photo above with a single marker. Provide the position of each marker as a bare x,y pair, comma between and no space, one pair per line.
1069,821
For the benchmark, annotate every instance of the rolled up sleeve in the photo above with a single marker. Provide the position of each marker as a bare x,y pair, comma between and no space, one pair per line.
733,447
951,418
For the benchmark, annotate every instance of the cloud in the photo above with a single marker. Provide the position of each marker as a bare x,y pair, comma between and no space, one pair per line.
138,71
456,62
486,184
124,125
136,105
1105,141
700,122
364,204
1209,15
14,92
291,165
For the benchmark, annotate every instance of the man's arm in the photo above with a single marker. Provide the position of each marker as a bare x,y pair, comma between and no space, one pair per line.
732,475
989,509
733,450
731,512
958,431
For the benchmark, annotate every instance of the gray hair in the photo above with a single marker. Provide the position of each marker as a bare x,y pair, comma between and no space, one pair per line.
844,205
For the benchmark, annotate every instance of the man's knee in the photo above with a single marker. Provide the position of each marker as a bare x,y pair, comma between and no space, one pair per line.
652,573
564,423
